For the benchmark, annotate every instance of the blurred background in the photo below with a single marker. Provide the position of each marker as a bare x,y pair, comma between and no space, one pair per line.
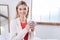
39,11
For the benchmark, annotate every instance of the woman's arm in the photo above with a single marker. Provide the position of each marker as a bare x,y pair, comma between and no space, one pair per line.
21,34
13,32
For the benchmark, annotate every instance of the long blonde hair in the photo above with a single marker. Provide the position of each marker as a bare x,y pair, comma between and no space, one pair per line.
21,3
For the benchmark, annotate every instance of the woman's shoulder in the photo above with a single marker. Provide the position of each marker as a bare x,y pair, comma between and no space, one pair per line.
15,19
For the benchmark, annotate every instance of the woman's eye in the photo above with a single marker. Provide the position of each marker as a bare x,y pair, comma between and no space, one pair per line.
24,8
20,9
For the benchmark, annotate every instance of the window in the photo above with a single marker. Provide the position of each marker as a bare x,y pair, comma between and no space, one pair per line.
4,18
46,10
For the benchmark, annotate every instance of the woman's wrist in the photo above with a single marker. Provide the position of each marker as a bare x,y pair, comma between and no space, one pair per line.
27,28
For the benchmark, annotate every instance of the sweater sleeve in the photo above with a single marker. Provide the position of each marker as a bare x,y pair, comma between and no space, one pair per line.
13,32
21,35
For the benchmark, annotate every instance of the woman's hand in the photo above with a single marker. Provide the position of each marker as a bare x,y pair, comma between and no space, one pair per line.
31,25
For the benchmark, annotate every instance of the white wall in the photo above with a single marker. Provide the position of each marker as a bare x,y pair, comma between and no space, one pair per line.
47,32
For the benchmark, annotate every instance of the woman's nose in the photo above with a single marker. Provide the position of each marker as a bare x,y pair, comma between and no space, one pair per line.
22,11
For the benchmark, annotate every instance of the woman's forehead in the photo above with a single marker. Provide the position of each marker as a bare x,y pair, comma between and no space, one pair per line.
22,6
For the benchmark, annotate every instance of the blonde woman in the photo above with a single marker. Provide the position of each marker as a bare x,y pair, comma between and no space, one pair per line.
19,27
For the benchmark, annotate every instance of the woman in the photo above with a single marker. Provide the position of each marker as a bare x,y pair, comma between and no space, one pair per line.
20,28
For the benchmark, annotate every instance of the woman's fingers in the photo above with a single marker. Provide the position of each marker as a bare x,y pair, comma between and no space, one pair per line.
32,24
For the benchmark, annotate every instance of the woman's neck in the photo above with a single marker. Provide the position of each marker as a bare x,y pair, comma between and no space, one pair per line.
23,19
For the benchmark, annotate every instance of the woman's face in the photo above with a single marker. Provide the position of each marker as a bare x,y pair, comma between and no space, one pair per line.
22,10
